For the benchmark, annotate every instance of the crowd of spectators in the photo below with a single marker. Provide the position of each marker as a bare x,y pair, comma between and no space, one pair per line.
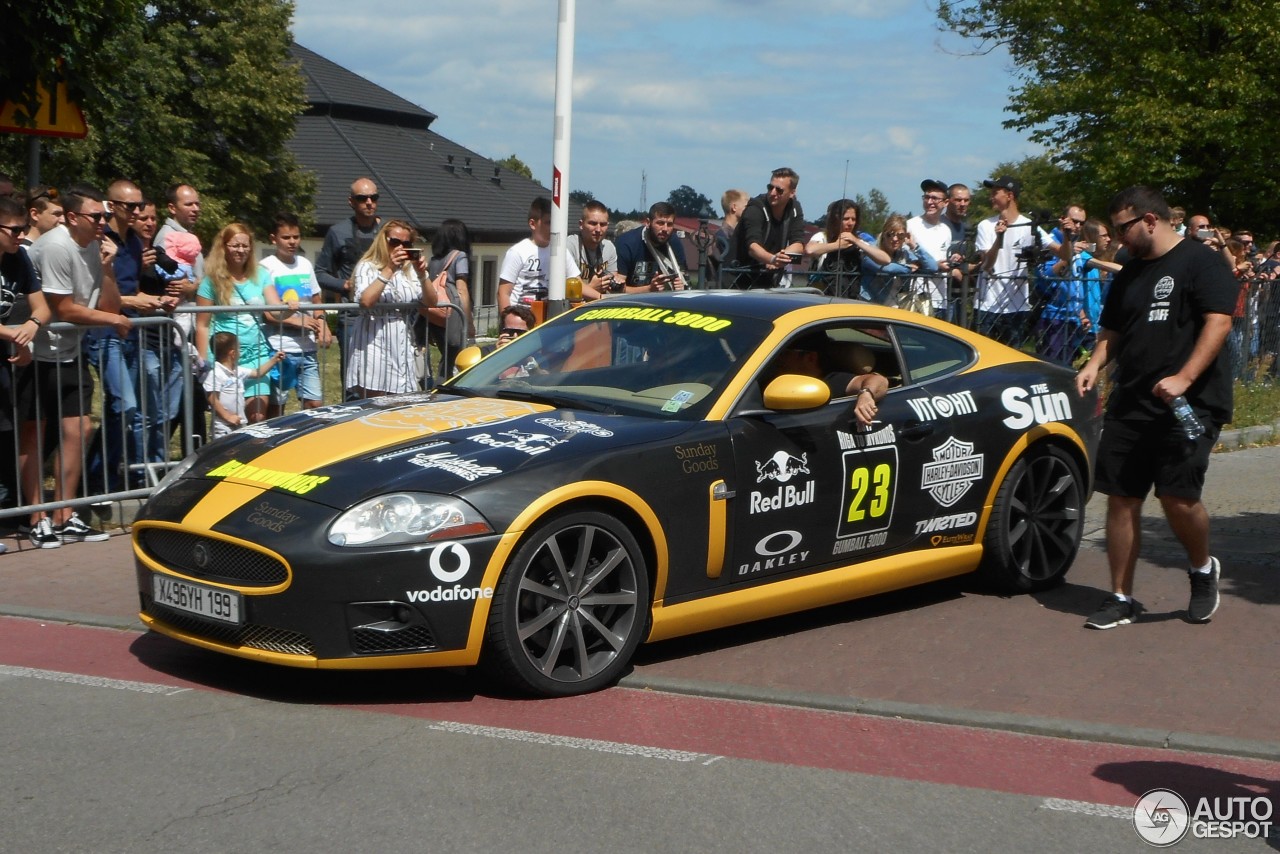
102,261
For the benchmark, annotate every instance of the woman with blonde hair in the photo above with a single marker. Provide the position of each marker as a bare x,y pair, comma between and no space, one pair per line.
382,355
233,277
897,282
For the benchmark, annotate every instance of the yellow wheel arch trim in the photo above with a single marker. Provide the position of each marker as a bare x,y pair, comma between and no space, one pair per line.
1033,436
541,508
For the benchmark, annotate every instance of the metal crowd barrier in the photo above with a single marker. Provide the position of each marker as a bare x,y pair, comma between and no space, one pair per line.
148,408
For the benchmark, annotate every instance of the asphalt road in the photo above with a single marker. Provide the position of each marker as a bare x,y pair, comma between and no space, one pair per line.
97,761
994,724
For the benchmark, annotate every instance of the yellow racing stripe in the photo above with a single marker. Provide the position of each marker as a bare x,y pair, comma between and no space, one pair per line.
377,429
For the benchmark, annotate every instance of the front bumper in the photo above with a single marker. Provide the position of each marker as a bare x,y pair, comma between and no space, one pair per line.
306,603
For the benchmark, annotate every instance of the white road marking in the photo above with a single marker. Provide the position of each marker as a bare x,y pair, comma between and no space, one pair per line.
91,681
1087,808
577,743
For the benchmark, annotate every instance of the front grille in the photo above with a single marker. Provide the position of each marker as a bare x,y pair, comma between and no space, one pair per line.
250,635
401,640
223,561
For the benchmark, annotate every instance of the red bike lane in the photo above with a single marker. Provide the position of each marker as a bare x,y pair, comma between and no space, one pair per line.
1083,773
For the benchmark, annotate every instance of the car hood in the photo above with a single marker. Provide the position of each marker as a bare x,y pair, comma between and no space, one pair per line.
339,455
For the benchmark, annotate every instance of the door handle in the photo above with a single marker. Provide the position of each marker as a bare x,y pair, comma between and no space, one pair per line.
918,430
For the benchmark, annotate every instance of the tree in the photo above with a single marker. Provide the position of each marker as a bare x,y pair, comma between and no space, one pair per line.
516,165
581,197
198,91
875,210
688,201
1046,188
57,38
1177,94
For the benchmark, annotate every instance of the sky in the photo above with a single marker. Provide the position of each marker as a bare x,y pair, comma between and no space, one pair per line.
713,94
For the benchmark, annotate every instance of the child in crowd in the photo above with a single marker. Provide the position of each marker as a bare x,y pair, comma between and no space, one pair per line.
225,383
184,248
295,333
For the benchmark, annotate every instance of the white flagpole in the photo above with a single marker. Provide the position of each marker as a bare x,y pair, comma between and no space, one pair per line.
560,156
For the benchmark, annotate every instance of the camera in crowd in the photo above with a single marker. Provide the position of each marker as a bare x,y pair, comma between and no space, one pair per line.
1034,255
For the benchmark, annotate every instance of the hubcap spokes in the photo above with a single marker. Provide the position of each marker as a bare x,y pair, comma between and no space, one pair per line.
577,603
1045,518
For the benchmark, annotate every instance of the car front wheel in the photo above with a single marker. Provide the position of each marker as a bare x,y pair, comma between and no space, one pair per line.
571,607
1035,528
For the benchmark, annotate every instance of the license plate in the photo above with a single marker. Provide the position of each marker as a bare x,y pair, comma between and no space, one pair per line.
210,602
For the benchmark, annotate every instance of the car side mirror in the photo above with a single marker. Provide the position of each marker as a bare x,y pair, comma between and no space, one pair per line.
468,357
795,392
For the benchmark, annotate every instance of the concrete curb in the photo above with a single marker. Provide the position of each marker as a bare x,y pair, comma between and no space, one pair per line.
975,718
1234,440
73,618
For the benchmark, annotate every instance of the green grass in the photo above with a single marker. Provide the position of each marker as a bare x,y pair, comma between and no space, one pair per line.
1256,404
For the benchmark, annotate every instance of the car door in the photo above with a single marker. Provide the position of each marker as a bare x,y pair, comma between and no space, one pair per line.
815,488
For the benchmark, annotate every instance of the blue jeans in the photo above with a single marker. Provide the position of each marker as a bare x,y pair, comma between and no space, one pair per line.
161,389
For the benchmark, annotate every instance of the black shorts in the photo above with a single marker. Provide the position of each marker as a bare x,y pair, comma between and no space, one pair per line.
63,390
1133,456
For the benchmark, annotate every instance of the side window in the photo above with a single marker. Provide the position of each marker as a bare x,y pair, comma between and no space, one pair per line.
854,349
929,354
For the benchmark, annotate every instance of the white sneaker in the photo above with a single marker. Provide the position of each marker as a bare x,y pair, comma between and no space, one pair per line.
42,535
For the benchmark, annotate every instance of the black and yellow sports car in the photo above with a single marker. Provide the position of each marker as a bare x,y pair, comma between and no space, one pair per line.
634,470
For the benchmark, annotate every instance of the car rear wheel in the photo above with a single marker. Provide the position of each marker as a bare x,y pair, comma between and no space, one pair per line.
1035,528
571,607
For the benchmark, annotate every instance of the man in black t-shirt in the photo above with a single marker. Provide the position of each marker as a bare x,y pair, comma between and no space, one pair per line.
770,232
1164,322
23,311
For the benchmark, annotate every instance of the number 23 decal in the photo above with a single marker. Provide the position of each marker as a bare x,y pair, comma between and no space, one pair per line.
870,483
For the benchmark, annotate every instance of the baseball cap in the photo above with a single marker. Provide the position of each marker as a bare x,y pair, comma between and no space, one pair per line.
932,184
1005,182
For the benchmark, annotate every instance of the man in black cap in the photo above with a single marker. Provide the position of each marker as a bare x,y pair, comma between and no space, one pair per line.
1007,243
933,236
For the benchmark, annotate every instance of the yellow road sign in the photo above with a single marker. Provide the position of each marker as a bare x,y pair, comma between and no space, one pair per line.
55,115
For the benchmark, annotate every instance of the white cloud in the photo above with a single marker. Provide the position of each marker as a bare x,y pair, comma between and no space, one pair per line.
711,94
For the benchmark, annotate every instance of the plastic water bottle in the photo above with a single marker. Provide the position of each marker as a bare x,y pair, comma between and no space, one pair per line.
1186,416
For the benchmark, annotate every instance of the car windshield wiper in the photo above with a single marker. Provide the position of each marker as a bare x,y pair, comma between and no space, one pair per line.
459,390
565,401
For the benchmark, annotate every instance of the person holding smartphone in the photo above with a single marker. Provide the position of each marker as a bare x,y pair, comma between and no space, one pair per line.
770,232
648,259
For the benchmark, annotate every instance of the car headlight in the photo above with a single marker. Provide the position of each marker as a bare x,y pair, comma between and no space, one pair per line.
406,517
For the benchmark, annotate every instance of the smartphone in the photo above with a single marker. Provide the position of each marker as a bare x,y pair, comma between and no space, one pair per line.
1206,234
414,253
796,257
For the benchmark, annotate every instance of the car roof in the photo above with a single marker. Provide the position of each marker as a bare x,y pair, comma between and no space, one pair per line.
762,304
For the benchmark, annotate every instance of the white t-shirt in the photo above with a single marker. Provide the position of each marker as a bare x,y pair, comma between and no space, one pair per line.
936,240
228,384
294,282
1004,289
527,265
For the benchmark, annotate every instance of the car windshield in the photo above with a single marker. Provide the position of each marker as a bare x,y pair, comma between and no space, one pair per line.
619,358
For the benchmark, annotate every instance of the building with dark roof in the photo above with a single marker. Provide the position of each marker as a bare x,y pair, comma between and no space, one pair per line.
353,128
